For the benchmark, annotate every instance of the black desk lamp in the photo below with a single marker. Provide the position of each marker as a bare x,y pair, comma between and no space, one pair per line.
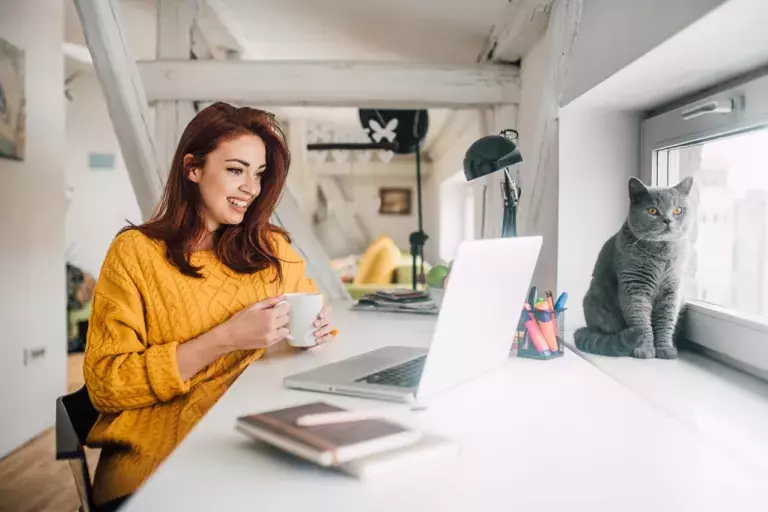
496,153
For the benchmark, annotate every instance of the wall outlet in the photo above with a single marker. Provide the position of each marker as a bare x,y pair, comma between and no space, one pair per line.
34,354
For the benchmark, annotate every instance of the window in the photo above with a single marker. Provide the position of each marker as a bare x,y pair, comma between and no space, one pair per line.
722,141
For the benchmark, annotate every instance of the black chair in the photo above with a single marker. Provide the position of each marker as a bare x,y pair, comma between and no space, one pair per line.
75,416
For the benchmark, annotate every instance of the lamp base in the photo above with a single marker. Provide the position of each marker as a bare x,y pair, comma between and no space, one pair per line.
417,241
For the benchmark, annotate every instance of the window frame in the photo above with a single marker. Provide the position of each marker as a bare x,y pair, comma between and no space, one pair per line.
741,339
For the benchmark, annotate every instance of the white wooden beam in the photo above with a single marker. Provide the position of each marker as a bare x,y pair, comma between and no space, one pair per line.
540,169
174,41
220,30
289,216
393,85
124,94
174,28
344,214
171,118
518,29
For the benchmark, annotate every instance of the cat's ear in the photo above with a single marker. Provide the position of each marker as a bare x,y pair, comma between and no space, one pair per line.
637,189
684,187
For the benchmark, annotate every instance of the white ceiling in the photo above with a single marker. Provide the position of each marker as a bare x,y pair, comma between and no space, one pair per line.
728,41
436,31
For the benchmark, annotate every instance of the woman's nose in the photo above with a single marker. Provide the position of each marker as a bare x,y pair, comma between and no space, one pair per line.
249,187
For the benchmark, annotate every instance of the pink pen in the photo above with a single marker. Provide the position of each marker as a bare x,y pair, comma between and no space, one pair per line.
535,331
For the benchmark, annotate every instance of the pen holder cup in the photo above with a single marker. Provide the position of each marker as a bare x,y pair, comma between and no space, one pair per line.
546,340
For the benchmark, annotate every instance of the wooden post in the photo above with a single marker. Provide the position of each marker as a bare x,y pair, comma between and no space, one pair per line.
175,21
124,94
540,167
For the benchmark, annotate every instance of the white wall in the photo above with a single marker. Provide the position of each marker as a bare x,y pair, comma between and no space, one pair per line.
363,192
32,204
599,151
101,200
465,127
613,33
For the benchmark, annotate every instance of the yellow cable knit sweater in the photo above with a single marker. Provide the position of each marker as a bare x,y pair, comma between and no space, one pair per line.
143,307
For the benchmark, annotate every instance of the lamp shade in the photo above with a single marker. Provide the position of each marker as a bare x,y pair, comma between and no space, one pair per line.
490,154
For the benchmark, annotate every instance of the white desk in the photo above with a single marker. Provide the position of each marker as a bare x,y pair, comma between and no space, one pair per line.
536,435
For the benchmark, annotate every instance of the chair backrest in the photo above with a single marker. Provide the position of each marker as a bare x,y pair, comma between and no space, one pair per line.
75,416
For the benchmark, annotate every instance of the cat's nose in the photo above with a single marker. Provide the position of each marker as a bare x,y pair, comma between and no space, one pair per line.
667,221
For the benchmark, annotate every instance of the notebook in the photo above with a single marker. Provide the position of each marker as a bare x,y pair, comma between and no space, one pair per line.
430,449
325,445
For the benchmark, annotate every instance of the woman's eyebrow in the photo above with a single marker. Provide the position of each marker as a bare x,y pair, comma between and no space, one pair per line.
239,161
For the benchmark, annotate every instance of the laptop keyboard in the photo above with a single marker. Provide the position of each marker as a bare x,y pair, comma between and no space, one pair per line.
404,375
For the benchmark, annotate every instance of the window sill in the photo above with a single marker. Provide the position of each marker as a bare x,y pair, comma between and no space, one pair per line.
724,404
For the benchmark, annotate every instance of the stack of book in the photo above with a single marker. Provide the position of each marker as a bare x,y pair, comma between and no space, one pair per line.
359,447
398,301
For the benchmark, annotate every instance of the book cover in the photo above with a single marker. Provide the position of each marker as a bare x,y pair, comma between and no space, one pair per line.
325,444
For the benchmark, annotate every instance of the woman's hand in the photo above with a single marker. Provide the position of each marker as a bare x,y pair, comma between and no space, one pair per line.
259,325
325,331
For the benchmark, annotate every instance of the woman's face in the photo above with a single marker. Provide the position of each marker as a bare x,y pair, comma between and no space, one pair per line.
230,180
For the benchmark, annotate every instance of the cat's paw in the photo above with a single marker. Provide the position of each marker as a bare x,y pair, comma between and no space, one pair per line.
644,352
666,352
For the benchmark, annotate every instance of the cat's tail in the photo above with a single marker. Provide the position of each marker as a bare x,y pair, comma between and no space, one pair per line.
619,344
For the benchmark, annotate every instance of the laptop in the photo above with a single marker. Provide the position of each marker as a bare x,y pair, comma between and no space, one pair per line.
479,314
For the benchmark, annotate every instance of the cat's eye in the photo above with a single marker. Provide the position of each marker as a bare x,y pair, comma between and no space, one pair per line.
653,211
677,211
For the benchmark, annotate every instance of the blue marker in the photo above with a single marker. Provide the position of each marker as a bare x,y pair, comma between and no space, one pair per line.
561,300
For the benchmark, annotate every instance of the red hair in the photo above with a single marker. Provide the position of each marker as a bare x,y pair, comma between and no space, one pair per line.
247,247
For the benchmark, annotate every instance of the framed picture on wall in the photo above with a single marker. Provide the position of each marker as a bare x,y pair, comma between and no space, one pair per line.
395,201
12,114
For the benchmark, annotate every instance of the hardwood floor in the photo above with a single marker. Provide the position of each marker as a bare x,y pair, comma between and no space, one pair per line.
31,479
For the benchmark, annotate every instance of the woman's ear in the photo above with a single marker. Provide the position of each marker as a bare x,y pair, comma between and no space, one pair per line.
193,173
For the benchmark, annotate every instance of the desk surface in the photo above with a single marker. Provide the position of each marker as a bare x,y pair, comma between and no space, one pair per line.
535,435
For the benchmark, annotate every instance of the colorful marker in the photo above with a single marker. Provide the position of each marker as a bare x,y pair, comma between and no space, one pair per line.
546,320
550,301
560,304
536,335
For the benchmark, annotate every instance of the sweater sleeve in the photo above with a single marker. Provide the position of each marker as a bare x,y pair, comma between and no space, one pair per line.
122,371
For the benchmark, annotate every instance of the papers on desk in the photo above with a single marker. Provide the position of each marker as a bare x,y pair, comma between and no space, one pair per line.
398,301
362,448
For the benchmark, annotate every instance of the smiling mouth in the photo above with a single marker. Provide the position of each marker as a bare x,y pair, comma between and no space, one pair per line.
237,202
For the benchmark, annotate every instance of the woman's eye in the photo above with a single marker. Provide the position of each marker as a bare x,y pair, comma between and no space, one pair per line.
677,211
258,175
653,211
235,170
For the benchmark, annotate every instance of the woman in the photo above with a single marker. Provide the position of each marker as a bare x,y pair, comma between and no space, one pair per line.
187,300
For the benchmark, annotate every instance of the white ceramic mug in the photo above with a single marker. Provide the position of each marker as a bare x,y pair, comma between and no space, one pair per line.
305,307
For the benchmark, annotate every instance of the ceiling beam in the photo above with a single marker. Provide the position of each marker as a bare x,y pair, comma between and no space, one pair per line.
220,30
519,28
384,85
124,94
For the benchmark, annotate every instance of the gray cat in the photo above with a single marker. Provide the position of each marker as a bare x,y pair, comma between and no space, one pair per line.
633,301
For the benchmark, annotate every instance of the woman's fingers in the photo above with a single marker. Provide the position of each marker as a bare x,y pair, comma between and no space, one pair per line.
324,332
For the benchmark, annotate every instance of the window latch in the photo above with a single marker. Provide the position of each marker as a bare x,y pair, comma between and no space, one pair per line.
711,107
